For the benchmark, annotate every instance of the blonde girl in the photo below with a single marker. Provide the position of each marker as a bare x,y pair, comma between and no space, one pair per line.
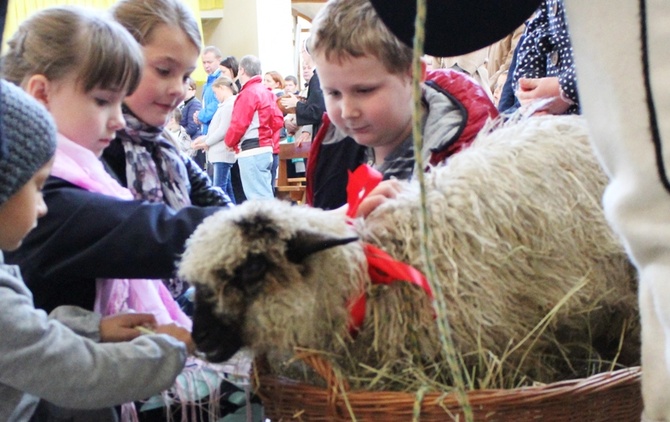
142,156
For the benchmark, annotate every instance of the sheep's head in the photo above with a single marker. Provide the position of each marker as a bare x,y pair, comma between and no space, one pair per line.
265,275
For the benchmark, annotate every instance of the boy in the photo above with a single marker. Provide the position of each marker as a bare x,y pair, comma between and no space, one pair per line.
366,77
42,358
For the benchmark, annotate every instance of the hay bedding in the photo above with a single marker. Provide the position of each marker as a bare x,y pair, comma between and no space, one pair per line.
536,285
517,228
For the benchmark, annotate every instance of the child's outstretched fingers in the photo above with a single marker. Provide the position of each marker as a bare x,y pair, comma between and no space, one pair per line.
122,327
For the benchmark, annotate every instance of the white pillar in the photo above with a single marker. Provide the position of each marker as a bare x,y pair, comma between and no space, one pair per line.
263,28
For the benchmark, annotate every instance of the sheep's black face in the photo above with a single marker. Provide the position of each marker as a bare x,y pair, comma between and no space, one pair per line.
266,260
248,277
218,339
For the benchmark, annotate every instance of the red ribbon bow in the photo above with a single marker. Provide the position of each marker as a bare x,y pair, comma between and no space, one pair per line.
361,182
382,268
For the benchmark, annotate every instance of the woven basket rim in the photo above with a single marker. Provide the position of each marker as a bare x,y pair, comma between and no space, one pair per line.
603,397
580,387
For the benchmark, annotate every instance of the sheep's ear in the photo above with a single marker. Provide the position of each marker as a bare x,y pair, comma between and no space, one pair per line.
304,243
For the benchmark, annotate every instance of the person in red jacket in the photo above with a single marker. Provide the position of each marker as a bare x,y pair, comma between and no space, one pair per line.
366,78
256,119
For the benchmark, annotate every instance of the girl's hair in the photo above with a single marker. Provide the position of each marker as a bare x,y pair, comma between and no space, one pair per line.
352,28
276,76
225,81
231,63
59,40
140,17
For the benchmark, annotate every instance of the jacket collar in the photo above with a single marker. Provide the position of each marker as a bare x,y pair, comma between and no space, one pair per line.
214,76
254,80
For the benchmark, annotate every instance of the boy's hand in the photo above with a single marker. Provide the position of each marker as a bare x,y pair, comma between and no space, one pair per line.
180,333
380,194
121,327
195,118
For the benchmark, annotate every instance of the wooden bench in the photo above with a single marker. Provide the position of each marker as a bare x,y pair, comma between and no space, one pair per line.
292,189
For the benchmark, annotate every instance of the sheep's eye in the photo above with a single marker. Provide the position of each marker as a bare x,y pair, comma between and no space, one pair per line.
221,275
251,272
255,270
204,294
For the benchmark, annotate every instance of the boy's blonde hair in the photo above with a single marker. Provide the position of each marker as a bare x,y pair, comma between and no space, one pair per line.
225,81
352,28
140,18
59,40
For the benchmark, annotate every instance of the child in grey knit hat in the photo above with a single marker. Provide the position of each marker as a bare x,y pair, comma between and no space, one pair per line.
41,357
30,145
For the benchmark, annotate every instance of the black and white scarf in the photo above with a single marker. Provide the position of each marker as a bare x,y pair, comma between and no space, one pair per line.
155,169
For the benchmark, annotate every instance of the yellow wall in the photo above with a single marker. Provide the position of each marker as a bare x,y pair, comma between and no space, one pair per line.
260,27
18,10
211,4
263,28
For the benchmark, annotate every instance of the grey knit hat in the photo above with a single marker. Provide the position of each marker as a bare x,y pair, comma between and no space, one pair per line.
29,137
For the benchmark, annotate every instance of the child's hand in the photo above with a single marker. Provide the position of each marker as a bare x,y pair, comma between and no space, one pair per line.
533,89
121,327
180,333
384,191
195,118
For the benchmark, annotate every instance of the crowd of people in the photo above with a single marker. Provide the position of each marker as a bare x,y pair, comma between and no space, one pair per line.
98,144
244,163
102,126
545,58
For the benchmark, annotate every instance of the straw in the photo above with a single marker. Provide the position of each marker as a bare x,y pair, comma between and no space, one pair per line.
431,275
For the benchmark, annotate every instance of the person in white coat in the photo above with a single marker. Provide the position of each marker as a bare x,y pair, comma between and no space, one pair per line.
623,72
219,154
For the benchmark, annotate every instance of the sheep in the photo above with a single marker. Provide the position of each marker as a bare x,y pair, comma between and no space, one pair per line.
533,278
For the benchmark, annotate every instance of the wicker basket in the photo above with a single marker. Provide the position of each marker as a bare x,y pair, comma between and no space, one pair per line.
607,397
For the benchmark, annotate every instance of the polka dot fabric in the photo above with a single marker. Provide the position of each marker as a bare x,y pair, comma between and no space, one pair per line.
546,51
